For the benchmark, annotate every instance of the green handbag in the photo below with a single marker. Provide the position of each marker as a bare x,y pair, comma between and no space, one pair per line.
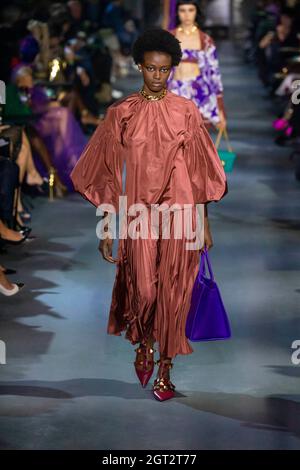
227,156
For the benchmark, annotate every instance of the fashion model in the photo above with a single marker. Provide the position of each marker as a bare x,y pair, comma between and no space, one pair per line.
198,75
170,158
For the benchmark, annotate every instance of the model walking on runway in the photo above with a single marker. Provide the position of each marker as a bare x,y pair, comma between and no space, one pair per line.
170,158
198,75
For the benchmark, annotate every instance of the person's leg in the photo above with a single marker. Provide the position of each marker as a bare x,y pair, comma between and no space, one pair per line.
39,146
5,282
26,165
9,234
134,298
177,271
164,365
135,288
8,288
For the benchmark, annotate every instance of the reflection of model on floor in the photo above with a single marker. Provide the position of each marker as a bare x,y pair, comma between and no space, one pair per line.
171,159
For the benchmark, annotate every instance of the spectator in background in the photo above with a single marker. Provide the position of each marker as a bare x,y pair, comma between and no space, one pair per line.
271,45
76,13
55,124
80,71
117,18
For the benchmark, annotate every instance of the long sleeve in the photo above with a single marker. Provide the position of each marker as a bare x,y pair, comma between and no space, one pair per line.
207,174
215,74
97,175
217,77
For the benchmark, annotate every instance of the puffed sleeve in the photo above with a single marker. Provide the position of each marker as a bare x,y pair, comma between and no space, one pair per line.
97,175
206,171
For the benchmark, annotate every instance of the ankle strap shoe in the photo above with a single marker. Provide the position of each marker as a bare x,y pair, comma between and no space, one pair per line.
163,388
144,367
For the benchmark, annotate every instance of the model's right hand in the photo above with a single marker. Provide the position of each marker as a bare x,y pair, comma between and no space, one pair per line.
105,248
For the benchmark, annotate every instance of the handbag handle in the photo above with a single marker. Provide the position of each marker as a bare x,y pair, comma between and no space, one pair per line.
205,257
219,137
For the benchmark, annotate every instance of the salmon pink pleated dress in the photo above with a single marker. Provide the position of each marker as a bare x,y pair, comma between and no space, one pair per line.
170,159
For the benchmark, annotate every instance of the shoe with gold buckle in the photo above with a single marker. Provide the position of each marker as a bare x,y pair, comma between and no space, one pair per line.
163,388
144,363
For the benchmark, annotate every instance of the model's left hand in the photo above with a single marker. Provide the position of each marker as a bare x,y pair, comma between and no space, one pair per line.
208,241
223,123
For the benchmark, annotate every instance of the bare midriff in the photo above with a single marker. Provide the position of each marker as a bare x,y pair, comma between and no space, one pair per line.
186,71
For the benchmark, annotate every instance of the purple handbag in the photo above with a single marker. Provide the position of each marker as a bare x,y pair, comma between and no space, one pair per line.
207,318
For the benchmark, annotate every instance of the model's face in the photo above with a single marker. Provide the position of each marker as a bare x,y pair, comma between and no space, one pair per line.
187,14
156,70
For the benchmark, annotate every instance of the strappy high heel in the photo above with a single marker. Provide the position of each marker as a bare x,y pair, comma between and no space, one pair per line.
163,388
145,373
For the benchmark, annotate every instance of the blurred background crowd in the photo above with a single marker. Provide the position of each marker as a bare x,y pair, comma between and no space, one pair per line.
273,45
60,64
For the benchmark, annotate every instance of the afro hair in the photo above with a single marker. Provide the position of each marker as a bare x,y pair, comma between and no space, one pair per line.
157,39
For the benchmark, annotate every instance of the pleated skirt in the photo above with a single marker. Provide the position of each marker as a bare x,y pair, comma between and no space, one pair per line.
152,290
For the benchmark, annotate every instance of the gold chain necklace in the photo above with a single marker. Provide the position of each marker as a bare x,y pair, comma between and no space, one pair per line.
153,97
194,28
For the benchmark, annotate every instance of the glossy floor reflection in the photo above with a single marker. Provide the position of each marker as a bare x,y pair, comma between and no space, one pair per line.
68,385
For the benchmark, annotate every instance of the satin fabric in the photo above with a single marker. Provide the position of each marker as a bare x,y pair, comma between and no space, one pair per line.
153,287
170,158
168,152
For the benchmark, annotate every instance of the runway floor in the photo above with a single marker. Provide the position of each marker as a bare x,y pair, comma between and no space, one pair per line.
67,384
